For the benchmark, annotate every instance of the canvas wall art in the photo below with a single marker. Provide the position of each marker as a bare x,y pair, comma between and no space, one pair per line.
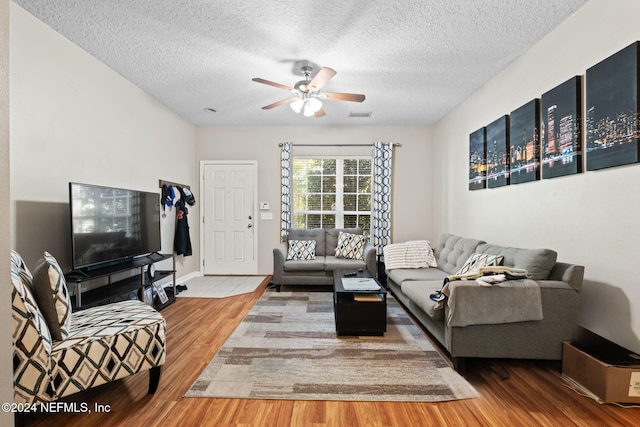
498,153
612,110
561,138
478,159
524,130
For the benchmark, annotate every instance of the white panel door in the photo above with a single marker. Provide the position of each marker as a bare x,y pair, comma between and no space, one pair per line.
229,240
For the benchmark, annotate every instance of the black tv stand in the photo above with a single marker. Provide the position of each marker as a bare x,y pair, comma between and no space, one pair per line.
156,255
76,274
135,284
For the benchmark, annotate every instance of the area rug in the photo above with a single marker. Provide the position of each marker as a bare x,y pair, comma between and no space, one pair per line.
287,348
220,286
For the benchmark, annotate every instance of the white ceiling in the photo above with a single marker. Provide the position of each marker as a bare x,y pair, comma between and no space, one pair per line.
415,60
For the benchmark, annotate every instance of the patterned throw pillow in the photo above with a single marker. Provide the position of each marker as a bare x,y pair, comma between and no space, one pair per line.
50,291
477,260
29,320
350,246
25,274
301,250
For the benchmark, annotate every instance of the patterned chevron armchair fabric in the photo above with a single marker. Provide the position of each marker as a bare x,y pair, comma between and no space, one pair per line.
98,345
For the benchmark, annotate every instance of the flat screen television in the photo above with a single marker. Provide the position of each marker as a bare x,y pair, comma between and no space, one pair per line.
111,225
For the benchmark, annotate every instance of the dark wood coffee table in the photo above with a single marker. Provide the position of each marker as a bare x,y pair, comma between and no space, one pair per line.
359,312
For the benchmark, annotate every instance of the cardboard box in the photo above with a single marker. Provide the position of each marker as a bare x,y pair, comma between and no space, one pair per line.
611,383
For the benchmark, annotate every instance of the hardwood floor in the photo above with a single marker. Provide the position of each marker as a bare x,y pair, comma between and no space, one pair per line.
533,395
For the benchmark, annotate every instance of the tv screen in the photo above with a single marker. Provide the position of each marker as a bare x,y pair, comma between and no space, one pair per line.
112,224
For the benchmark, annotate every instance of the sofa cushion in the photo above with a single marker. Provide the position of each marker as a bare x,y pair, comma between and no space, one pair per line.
401,275
537,262
350,246
453,251
316,264
333,263
50,291
332,238
302,249
477,260
418,292
317,234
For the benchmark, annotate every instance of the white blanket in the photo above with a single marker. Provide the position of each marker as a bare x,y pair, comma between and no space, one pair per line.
412,254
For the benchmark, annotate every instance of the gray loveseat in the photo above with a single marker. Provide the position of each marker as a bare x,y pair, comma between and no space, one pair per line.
559,283
318,271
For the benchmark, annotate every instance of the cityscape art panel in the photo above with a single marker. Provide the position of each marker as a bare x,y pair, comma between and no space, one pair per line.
612,110
560,136
478,159
524,159
498,152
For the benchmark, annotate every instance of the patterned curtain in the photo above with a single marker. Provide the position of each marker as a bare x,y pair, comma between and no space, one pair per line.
381,197
285,184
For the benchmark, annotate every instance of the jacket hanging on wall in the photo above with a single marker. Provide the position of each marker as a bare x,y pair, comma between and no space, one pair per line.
182,240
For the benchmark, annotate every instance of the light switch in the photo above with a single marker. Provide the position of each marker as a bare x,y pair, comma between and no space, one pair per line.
266,215
264,206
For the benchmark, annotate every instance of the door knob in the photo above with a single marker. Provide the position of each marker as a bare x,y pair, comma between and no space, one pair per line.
249,225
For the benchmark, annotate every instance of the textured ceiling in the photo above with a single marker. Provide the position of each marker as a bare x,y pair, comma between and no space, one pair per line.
415,60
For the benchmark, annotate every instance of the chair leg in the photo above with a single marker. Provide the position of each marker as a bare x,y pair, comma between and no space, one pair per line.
154,378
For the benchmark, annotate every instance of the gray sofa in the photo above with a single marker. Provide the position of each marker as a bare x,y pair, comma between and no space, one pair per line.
559,283
318,271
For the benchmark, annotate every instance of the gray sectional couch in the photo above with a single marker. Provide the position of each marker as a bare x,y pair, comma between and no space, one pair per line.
318,271
559,283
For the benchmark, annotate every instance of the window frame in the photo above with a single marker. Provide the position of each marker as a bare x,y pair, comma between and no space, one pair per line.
339,211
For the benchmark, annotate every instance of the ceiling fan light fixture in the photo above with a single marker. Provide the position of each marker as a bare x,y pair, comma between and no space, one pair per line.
315,104
308,110
311,105
297,105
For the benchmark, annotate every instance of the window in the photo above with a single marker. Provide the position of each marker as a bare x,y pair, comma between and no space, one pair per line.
332,192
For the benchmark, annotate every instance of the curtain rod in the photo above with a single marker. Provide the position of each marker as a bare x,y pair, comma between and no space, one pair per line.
394,144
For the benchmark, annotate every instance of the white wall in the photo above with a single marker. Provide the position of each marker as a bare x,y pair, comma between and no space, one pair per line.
589,218
413,163
75,119
6,350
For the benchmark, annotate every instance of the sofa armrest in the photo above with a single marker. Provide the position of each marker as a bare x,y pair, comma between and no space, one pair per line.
279,256
569,273
370,258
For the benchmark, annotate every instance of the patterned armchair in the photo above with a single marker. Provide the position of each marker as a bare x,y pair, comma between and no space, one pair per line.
58,353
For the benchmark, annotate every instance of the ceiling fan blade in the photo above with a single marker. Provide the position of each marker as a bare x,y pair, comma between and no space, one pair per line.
274,84
353,97
319,113
324,75
279,103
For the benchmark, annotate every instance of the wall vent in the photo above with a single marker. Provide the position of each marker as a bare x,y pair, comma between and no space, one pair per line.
360,114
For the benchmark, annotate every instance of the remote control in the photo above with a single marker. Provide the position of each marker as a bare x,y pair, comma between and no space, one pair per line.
350,274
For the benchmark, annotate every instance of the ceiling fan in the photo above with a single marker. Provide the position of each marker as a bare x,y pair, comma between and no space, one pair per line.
307,97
